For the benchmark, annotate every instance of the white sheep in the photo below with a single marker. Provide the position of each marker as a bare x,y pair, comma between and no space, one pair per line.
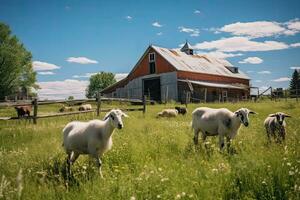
221,122
276,123
85,107
168,113
93,137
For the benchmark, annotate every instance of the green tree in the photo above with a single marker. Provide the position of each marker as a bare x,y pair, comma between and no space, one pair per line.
98,82
70,98
16,70
294,84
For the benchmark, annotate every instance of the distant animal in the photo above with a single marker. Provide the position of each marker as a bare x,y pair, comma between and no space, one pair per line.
167,113
181,110
93,137
85,107
66,109
219,122
275,124
23,110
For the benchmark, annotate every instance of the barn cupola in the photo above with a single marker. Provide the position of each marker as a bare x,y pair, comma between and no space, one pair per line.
187,48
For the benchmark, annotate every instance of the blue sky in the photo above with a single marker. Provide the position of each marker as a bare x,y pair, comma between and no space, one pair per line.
70,40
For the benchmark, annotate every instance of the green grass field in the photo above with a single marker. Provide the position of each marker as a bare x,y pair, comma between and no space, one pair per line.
152,159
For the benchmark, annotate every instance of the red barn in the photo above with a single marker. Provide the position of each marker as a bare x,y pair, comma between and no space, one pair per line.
165,74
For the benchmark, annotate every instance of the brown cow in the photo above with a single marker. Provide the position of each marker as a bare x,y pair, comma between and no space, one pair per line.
23,110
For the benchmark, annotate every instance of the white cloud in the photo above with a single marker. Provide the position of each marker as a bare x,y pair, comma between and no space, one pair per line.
193,32
157,24
160,33
128,17
282,79
257,81
249,71
259,29
295,44
197,12
252,60
295,67
254,29
62,89
294,25
81,60
264,72
46,73
43,66
240,44
120,76
220,54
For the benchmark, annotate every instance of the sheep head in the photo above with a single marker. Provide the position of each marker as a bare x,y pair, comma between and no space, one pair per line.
279,117
243,115
115,117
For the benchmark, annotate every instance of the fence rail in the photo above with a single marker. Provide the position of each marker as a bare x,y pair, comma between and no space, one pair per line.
35,103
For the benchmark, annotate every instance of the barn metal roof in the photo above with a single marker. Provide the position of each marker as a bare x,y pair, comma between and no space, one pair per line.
198,63
217,85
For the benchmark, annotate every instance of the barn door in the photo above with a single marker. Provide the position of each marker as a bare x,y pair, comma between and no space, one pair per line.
152,89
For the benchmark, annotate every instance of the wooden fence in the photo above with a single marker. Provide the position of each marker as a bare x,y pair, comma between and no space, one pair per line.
35,103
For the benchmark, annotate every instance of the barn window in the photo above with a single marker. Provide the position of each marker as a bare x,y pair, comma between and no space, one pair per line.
152,67
152,63
151,57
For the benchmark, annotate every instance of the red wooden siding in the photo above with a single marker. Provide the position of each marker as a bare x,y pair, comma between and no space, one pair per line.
142,69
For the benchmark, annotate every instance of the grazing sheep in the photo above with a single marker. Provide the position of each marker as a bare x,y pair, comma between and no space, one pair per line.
276,123
93,137
23,110
66,109
85,107
181,110
168,113
221,122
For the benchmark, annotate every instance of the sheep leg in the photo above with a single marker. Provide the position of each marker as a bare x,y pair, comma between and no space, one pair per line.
98,162
221,142
282,133
268,134
72,157
196,135
228,142
204,139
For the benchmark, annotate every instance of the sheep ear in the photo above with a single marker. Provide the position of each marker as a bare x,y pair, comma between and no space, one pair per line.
286,115
252,112
272,115
124,114
237,113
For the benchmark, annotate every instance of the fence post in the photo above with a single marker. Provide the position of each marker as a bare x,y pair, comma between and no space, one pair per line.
98,103
35,109
144,104
186,99
205,94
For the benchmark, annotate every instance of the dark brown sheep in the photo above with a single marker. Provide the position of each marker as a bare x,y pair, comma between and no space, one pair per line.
23,110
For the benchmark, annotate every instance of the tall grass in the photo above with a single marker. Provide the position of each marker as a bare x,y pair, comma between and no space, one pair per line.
152,159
